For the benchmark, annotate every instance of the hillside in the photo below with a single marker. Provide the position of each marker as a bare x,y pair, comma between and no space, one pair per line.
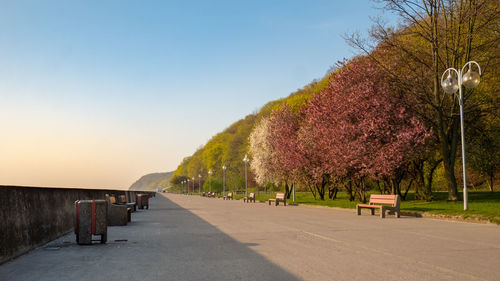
230,146
152,181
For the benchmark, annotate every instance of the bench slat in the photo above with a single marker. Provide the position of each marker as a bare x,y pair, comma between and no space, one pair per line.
382,201
369,206
383,196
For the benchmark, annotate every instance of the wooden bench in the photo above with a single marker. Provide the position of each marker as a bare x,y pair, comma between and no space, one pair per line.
228,196
382,202
279,197
117,214
251,197
123,201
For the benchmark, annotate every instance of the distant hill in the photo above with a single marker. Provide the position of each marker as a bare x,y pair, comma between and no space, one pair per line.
152,181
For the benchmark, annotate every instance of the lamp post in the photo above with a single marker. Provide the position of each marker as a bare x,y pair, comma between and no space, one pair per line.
246,178
182,189
224,179
187,186
210,180
193,185
199,183
450,86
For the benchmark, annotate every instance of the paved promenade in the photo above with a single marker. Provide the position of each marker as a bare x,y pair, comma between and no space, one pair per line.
193,238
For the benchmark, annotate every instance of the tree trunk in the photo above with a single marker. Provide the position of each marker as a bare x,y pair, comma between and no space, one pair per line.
348,189
449,172
287,191
491,181
396,186
403,197
312,191
332,192
446,138
320,189
361,189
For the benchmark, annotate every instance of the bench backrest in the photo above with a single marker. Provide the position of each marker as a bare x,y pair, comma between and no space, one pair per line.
280,196
392,200
252,195
110,199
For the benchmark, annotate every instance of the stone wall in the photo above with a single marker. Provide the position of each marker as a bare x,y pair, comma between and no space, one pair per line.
33,216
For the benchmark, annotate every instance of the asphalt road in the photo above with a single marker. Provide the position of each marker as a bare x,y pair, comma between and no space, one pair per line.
193,238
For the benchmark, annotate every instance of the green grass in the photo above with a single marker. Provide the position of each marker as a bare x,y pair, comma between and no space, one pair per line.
482,205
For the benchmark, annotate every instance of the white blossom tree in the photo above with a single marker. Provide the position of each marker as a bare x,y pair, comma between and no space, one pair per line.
261,151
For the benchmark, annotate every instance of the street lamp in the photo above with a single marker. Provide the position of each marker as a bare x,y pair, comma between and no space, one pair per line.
210,180
246,178
182,186
193,186
187,186
224,179
450,86
199,183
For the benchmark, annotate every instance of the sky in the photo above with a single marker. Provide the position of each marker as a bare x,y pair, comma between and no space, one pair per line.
98,93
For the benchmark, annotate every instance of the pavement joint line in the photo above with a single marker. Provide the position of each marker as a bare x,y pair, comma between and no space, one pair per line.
432,266
446,269
448,239
322,237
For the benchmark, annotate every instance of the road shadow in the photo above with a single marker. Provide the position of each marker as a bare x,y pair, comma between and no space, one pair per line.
166,242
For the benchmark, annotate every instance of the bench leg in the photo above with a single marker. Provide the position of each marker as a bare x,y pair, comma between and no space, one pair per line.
398,213
358,210
284,203
382,212
373,211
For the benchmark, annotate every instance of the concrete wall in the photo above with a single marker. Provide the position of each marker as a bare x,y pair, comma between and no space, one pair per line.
32,216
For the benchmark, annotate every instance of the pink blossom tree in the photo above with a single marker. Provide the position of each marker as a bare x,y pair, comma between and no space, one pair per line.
360,127
283,127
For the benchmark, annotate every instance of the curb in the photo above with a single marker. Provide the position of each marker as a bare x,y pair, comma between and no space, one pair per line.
427,215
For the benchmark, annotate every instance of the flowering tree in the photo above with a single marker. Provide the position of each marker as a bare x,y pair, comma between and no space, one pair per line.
359,127
262,155
282,137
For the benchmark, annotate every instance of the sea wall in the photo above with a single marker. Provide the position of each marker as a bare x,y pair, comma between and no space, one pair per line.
33,216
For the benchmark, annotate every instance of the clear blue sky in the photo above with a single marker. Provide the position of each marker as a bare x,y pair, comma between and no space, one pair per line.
98,93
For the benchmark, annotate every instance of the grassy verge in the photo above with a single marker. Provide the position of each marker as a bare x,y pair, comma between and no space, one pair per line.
482,205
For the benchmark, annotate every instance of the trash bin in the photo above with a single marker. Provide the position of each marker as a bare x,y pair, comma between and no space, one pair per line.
91,219
142,201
